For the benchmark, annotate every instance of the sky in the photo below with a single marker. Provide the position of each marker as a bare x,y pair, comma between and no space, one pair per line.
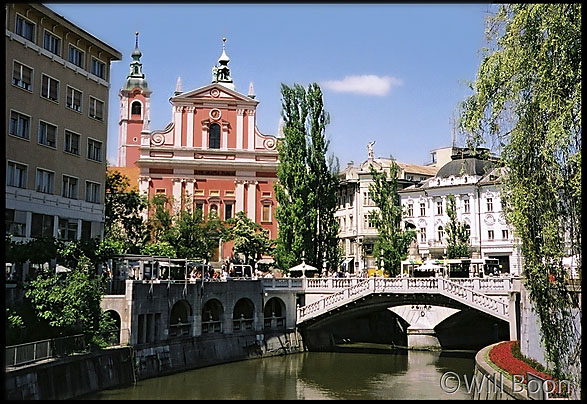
390,73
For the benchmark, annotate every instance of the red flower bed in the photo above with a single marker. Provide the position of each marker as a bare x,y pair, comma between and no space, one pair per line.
502,356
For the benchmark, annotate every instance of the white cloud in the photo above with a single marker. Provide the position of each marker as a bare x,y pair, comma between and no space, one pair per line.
369,84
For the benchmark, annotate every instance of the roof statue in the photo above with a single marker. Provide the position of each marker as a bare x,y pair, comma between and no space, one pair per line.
370,150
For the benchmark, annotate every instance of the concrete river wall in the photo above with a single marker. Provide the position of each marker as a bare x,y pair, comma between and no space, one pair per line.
78,375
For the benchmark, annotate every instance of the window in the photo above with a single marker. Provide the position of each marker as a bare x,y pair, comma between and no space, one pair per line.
94,150
214,210
468,231
52,43
25,28
76,56
15,222
351,222
367,200
490,235
440,233
74,99
67,230
92,192
466,207
214,192
71,143
214,136
16,175
22,76
135,108
49,88
98,68
422,209
47,134
200,207
343,227
368,223
45,181
439,207
489,204
422,234
504,234
42,225
410,209
19,125
69,187
227,211
266,213
96,109
198,192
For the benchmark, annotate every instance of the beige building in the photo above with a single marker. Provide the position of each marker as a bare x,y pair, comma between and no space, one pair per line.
57,85
357,234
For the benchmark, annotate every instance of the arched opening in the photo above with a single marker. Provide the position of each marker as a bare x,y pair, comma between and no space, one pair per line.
274,313
440,234
242,316
212,316
179,319
113,336
214,136
135,108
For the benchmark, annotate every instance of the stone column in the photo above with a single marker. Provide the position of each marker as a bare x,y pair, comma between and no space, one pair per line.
178,121
251,200
224,135
190,127
251,129
239,128
205,136
240,196
177,182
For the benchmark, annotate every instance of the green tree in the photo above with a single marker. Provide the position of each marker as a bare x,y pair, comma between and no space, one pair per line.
456,232
123,207
392,243
250,239
160,218
69,305
527,99
306,187
159,248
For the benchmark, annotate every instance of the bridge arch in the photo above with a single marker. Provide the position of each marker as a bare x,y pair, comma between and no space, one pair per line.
180,318
274,314
114,315
212,317
243,315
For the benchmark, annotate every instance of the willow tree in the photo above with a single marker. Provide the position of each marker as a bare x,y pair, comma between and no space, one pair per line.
527,100
392,244
456,233
306,187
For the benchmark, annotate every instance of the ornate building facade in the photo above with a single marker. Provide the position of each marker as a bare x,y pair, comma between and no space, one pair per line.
211,156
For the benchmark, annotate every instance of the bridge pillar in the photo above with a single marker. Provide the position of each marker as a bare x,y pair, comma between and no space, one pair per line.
421,335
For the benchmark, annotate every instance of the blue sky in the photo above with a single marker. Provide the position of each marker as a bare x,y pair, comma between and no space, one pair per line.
390,73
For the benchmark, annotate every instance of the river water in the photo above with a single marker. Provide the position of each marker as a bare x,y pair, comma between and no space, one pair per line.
311,375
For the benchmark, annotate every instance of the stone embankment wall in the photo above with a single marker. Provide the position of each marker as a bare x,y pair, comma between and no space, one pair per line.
492,385
66,378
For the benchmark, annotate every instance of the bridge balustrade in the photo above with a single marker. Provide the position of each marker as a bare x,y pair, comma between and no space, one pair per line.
210,327
274,322
178,329
242,324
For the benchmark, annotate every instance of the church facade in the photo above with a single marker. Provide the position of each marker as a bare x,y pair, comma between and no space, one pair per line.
210,157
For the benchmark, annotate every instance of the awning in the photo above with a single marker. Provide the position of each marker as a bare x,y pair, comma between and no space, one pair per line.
266,261
346,262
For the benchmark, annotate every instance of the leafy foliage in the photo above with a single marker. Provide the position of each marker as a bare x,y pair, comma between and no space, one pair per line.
306,190
392,243
123,208
456,232
527,97
160,219
250,239
159,248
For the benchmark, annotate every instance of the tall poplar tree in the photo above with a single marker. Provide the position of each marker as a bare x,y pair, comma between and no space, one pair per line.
527,97
392,243
306,190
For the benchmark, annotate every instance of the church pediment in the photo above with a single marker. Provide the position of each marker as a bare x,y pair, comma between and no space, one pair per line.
214,92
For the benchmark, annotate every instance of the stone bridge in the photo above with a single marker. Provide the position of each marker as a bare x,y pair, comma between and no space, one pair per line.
152,310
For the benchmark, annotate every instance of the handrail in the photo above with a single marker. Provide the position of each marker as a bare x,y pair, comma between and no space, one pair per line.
446,287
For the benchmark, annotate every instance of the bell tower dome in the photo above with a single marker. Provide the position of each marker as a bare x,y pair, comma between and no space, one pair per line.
134,110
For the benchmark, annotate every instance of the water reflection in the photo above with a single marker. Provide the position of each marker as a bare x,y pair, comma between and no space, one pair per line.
310,375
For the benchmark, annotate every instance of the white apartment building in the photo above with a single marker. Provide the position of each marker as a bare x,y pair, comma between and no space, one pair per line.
357,234
474,183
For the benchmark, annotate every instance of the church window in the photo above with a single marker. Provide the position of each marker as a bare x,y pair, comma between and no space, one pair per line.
214,136
136,108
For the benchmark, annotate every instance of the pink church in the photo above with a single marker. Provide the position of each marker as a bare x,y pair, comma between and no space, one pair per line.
211,154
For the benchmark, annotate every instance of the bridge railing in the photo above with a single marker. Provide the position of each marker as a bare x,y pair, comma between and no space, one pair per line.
454,290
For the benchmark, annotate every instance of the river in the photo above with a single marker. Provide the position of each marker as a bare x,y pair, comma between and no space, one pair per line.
311,375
